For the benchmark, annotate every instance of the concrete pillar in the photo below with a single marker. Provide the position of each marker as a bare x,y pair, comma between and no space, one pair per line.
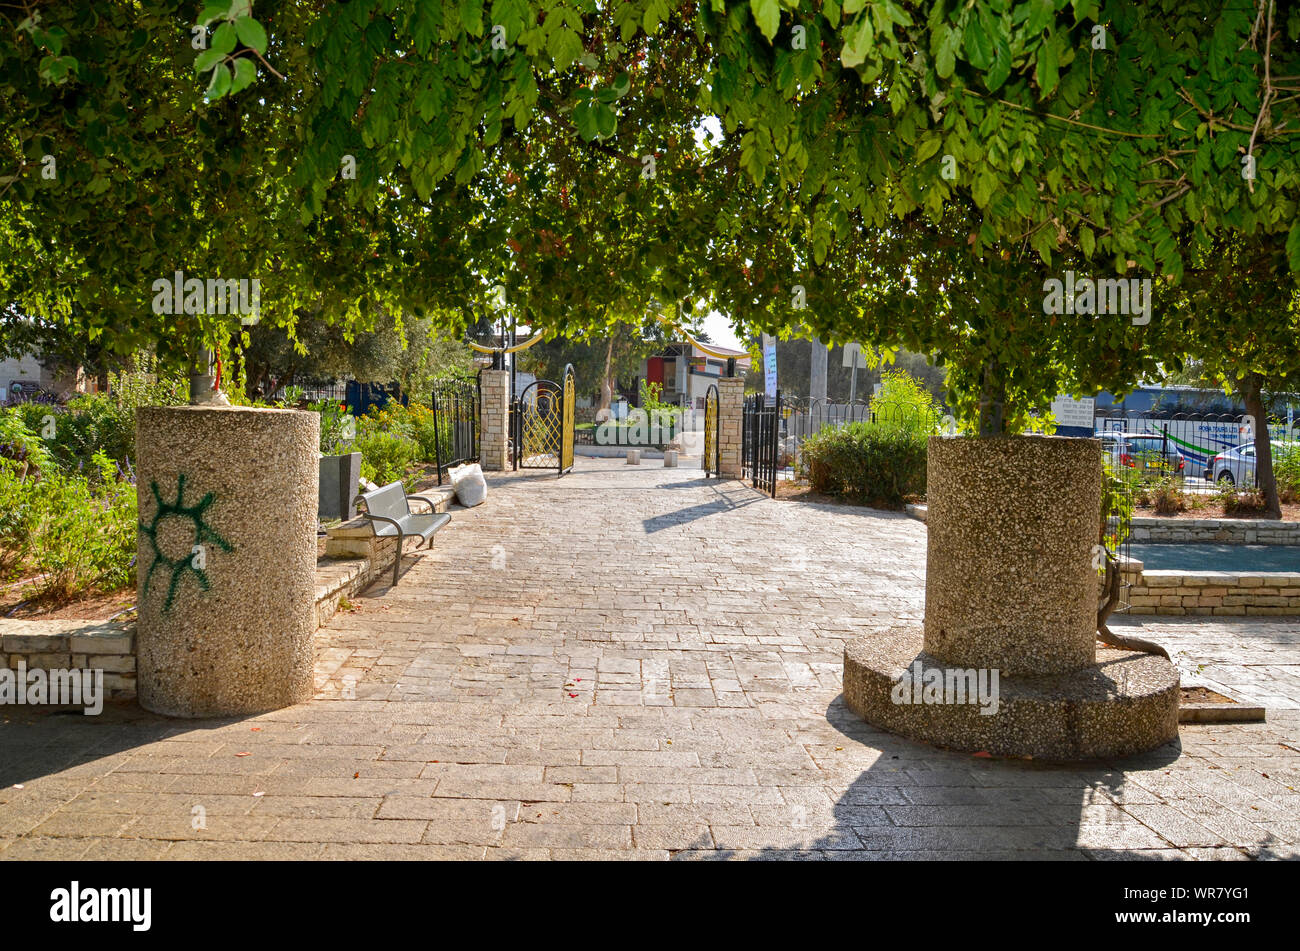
817,371
731,398
226,558
1009,581
494,420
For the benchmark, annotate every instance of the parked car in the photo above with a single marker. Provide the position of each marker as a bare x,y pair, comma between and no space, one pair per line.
1146,452
1236,466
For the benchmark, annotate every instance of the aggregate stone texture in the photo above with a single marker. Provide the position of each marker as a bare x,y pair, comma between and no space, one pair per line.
1010,581
1126,703
237,636
639,663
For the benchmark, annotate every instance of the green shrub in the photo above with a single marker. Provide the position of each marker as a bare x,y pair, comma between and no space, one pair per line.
338,428
77,530
1238,500
19,442
867,462
903,403
18,505
98,422
1286,469
385,456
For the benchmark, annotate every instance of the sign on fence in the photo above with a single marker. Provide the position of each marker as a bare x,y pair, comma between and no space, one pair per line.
769,366
1073,414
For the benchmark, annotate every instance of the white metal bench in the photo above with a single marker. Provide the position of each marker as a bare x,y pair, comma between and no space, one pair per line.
390,515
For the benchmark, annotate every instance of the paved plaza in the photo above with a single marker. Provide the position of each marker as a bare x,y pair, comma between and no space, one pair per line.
639,663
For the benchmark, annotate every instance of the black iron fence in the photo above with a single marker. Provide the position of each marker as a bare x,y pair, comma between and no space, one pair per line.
803,418
760,429
455,408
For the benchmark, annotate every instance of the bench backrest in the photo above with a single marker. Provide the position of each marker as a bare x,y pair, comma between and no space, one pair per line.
389,501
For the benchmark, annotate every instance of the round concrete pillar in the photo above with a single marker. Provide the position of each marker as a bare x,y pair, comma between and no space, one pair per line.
226,558
1010,582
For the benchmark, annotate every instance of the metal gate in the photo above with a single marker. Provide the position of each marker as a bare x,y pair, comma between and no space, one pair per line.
455,424
760,434
712,444
543,424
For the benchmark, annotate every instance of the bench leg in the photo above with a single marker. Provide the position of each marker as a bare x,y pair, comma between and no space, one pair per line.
397,564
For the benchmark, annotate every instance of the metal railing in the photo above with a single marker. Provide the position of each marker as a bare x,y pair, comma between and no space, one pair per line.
455,408
760,429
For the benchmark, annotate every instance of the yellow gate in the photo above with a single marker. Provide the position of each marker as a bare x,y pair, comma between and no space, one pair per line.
712,447
566,437
544,418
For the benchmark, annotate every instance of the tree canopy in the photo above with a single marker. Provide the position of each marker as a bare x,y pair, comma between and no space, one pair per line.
913,172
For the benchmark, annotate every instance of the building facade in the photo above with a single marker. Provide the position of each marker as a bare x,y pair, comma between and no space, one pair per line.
686,372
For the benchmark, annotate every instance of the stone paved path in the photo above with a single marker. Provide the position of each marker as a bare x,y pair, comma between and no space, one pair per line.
637,663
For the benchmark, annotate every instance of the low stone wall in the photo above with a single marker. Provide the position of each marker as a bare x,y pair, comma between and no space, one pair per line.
73,645
354,559
1222,531
1212,592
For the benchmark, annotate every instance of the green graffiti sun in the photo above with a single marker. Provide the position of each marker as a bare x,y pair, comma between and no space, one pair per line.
203,532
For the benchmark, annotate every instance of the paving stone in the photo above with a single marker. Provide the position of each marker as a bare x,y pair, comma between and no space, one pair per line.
521,699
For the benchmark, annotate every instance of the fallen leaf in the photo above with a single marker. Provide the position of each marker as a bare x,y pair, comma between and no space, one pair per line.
573,695
243,754
356,775
983,755
256,729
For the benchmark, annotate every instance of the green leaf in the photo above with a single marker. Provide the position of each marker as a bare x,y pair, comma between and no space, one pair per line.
979,46
584,118
565,47
251,33
928,148
860,36
767,14
207,59
1047,69
225,39
214,10
245,73
606,121
220,84
1293,247
946,59
471,14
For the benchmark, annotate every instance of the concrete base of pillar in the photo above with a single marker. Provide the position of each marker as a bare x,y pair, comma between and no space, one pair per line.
1123,704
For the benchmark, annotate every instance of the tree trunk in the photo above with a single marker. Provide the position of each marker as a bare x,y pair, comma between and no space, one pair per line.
993,398
1251,389
606,383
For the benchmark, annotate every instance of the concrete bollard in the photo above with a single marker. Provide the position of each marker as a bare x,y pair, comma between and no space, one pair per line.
670,458
634,457
227,558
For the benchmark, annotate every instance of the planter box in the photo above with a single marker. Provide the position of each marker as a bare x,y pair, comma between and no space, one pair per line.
339,476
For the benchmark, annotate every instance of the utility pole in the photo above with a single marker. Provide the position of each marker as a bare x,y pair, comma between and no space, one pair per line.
817,372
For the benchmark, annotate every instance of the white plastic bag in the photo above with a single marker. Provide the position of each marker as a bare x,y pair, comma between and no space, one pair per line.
470,486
